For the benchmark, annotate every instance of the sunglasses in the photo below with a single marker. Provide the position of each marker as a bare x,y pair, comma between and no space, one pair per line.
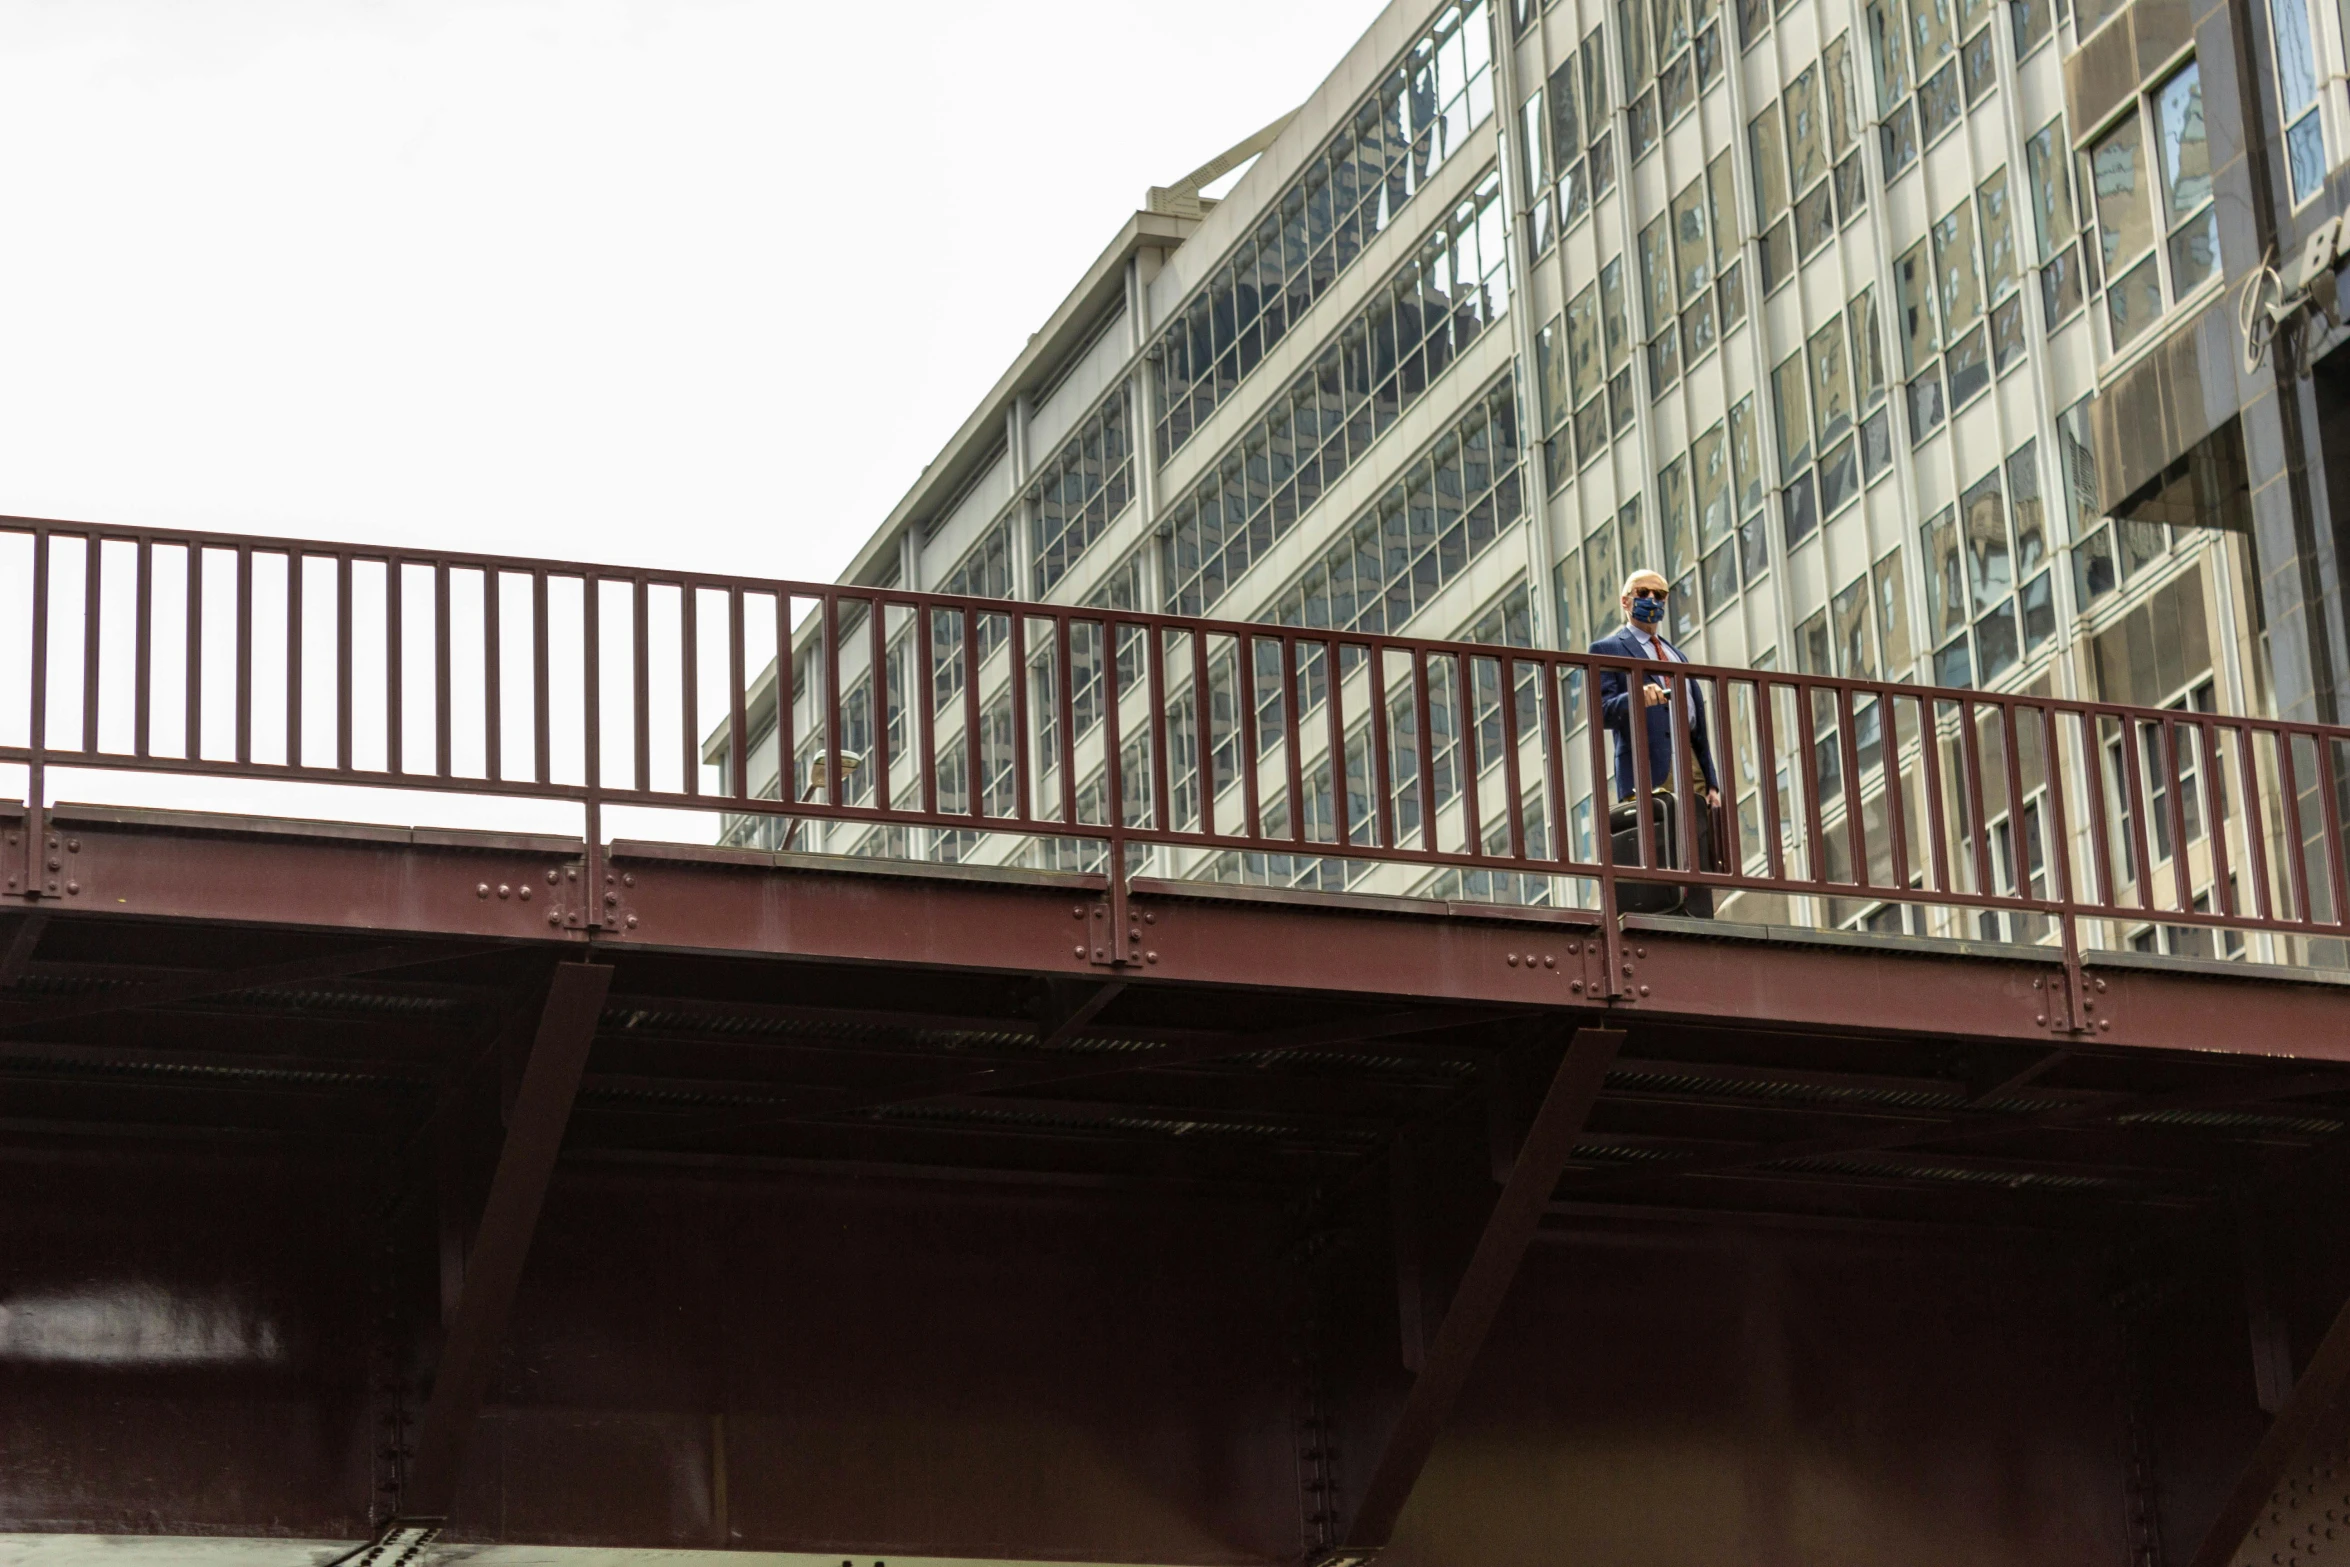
1655,594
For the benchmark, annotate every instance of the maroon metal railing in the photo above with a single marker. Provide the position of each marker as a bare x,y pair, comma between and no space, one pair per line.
1120,732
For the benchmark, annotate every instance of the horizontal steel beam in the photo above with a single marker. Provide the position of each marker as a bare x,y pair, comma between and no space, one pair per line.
144,865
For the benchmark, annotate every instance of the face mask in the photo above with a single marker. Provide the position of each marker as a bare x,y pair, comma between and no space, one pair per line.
1648,611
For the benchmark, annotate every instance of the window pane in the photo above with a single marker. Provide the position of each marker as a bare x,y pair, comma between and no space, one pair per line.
1722,211
2133,303
1946,590
1656,276
1843,103
1930,32
1807,137
1583,372
1889,52
1530,121
2296,56
1709,459
1892,614
1995,642
1745,459
1815,222
1969,367
1770,165
1914,322
1615,323
1995,216
2117,182
2305,151
1939,107
2023,489
1693,248
1790,398
1566,129
1839,478
1550,364
1680,534
1848,621
2052,195
1831,383
2039,606
2194,253
2186,153
1802,510
1960,294
1868,355
1990,578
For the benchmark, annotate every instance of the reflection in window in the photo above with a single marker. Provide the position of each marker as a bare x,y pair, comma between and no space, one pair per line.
1418,118
1383,361
1087,482
2297,84
1402,550
2186,180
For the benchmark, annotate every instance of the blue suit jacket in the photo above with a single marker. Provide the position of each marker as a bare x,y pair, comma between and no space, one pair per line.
1615,704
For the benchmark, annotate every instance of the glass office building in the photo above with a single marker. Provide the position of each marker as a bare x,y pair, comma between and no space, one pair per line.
1898,335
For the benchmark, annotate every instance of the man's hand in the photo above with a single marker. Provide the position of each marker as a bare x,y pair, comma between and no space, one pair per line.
1654,696
1713,797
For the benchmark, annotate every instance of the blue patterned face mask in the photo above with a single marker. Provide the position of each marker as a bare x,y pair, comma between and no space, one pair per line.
1648,611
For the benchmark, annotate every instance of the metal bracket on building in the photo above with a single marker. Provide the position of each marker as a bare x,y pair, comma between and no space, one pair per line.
2271,302
571,902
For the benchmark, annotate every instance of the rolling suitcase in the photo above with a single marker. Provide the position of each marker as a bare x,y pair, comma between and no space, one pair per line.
1651,897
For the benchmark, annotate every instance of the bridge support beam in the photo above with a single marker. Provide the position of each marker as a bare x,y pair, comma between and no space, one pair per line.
1501,1247
493,1269
2294,1481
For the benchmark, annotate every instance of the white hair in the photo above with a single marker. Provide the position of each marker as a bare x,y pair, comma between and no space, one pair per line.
1636,576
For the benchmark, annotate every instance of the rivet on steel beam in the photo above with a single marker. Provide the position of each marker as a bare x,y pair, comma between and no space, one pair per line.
1627,971
481,889
1640,952
571,874
1101,914
2088,1005
1077,952
554,916
2101,985
1098,954
1549,961
1077,913
56,865
2105,1022
1644,990
1575,985
73,887
2040,1018
1574,947
611,900
1150,919
505,890
632,922
2035,984
1511,959
550,878
73,846
1150,957
628,879
526,893
52,843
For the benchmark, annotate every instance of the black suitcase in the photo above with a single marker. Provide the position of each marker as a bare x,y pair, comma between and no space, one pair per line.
1656,897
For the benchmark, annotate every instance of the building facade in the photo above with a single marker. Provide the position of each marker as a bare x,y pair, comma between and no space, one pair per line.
1901,336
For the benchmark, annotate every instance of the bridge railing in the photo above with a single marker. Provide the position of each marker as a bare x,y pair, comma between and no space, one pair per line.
1124,741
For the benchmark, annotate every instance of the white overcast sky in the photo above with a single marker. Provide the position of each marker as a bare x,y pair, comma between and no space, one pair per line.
691,283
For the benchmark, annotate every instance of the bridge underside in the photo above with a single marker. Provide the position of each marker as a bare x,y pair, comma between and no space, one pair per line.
889,1224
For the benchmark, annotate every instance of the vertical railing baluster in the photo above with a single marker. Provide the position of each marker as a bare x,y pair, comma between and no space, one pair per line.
1158,726
2215,785
395,671
2134,811
1970,750
738,737
1807,748
1856,832
1065,709
343,676
2255,820
2296,855
640,636
1203,711
443,727
877,683
2181,875
2019,868
1471,768
93,616
1244,686
974,742
542,681
1382,766
1896,807
1293,739
2094,816
834,785
1516,809
143,654
689,691
493,676
1334,678
1767,779
293,658
194,672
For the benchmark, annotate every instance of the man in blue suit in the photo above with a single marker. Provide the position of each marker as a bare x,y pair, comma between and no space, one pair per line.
1642,637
